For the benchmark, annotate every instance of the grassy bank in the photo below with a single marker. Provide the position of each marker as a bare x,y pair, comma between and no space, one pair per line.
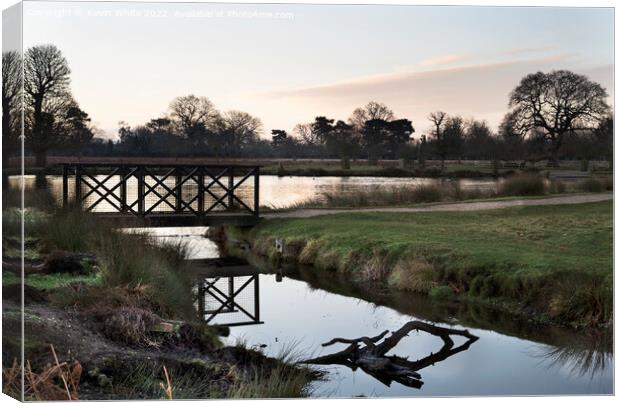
551,263
121,304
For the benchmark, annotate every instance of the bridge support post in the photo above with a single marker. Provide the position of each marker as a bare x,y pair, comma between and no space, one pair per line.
256,189
78,187
123,189
231,184
256,299
140,173
178,194
65,186
201,191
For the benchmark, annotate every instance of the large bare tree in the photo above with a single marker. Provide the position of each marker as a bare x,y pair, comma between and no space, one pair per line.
371,111
11,90
193,115
558,103
238,129
46,79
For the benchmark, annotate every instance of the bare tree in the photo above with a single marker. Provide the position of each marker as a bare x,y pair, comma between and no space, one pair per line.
46,77
371,111
11,90
437,119
306,134
193,115
237,130
558,103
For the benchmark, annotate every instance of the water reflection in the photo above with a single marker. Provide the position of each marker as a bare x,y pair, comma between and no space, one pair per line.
589,355
229,294
309,307
371,356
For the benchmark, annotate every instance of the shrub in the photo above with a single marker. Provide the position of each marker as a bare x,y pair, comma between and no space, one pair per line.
591,185
523,185
557,187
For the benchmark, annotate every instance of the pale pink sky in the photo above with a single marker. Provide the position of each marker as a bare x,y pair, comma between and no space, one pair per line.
287,64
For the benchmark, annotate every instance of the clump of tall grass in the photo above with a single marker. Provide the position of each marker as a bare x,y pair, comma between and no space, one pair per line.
378,196
523,185
557,187
596,185
283,381
253,376
591,185
135,260
71,230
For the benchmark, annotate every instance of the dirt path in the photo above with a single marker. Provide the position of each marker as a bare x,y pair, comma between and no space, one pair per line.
469,206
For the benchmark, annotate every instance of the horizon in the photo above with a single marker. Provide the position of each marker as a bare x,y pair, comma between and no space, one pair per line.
287,63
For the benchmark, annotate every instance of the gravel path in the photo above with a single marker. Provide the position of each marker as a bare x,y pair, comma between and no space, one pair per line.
470,206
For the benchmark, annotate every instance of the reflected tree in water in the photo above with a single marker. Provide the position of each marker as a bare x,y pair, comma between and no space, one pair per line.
588,355
369,354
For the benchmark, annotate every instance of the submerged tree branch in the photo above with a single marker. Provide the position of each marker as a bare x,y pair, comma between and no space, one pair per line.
371,357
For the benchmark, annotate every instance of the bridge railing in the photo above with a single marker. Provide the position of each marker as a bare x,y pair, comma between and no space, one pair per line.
161,190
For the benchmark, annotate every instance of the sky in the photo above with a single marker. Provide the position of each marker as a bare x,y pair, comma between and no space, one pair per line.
286,64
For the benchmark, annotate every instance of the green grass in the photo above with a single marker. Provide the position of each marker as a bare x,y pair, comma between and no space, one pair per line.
50,281
554,259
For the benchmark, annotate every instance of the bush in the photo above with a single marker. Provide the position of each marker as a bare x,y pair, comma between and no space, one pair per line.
591,185
557,187
523,185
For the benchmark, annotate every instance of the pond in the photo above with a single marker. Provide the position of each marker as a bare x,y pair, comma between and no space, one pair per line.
301,309
286,191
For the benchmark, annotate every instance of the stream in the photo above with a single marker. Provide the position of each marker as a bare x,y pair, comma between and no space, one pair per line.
299,309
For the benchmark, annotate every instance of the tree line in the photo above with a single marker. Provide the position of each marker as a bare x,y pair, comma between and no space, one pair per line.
551,116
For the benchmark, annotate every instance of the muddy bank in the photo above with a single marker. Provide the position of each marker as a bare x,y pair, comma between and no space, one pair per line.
111,369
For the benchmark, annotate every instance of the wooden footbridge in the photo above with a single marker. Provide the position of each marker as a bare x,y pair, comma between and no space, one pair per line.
164,194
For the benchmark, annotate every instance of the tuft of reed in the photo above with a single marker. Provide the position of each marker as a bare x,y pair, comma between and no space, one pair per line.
134,260
378,196
523,185
71,231
596,185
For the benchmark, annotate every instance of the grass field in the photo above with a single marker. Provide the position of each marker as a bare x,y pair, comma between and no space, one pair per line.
555,262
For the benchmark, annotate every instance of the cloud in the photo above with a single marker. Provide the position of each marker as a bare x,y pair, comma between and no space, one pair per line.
444,60
479,91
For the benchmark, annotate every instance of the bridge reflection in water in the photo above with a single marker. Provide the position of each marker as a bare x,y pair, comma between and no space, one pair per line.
228,294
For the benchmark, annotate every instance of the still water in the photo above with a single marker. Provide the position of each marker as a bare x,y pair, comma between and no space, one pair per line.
284,191
303,309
